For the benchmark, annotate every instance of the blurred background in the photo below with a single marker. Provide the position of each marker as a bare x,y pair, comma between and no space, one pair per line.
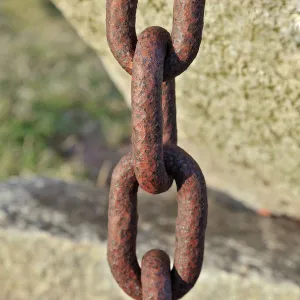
61,117
56,101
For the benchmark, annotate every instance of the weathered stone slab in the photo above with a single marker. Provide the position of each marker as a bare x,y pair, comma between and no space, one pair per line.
238,104
53,245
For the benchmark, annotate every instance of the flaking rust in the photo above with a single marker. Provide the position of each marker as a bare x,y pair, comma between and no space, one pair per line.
156,276
186,34
190,224
154,60
147,118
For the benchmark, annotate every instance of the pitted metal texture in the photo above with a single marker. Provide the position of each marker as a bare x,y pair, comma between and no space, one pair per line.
188,20
154,59
190,225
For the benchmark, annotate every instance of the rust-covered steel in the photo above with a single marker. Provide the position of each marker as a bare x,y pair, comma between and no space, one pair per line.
156,276
190,223
147,124
154,59
188,16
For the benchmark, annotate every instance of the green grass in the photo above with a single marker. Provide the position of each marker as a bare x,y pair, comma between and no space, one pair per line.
51,85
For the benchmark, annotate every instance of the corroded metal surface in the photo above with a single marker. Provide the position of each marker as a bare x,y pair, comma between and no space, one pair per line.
120,30
154,59
186,33
190,223
156,276
169,112
146,93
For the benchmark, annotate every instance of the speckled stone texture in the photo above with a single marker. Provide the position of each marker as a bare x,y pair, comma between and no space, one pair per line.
239,102
53,245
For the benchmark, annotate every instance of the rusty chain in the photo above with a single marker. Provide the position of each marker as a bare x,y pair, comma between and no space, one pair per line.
154,59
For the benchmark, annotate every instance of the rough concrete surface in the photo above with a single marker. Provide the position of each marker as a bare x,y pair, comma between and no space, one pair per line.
53,245
239,102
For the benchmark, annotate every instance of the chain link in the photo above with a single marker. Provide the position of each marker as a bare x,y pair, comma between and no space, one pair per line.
188,16
154,60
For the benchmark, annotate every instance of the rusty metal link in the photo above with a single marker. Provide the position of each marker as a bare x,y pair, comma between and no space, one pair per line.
188,16
155,159
146,95
190,223
156,277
